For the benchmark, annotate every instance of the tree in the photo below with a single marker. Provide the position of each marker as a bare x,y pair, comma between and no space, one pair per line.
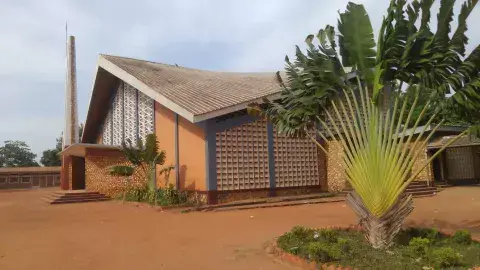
143,159
51,157
356,107
17,154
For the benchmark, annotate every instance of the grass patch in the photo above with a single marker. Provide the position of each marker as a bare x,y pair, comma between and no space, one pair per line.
165,196
414,248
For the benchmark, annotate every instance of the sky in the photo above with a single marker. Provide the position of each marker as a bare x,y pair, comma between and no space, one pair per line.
235,35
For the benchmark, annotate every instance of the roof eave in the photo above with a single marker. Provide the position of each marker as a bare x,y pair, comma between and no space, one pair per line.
90,101
142,87
231,109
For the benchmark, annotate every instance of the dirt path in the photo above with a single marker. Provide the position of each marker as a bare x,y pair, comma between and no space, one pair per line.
34,235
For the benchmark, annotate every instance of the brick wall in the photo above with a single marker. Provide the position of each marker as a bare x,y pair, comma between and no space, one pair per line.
426,173
335,166
97,178
231,196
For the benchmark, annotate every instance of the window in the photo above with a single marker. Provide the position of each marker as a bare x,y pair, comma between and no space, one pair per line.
25,179
13,180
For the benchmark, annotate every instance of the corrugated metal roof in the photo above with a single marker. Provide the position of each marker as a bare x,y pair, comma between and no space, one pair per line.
199,91
30,170
465,140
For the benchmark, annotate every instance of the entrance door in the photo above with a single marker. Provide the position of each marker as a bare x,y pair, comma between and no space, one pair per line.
78,173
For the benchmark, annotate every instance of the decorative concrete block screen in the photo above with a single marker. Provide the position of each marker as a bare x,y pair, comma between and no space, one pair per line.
107,129
296,161
242,157
131,116
117,109
130,108
145,115
460,163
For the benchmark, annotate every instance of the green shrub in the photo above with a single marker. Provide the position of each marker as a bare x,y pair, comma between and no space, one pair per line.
302,233
462,237
322,252
404,237
171,196
291,242
164,196
419,245
446,257
328,235
344,245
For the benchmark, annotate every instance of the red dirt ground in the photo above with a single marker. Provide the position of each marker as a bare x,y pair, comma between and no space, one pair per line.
111,235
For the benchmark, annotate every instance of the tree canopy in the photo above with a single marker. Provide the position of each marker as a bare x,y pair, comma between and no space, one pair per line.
51,157
346,89
16,154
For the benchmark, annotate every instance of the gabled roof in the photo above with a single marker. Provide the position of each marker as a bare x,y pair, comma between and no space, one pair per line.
194,94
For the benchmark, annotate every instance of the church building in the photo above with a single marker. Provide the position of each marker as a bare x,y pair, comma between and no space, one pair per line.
200,120
220,153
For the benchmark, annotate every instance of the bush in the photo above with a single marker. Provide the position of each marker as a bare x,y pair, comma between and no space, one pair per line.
419,245
328,235
446,257
164,196
421,248
302,232
322,252
462,237
295,239
404,237
344,245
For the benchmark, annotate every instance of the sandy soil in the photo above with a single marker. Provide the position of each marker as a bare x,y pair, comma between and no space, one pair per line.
111,235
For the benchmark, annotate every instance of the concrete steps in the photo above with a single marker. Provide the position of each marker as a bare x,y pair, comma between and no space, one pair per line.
416,189
59,197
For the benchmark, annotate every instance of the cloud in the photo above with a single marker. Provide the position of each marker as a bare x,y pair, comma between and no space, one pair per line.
247,35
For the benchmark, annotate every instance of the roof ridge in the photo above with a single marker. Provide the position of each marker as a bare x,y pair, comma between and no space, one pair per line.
147,61
272,73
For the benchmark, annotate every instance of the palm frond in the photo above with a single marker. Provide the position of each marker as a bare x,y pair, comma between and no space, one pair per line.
120,170
356,40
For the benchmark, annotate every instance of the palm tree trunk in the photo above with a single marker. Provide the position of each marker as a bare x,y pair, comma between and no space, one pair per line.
381,231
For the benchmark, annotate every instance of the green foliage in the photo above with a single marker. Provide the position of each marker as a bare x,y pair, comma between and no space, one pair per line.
121,170
419,246
51,157
144,158
328,235
462,237
446,257
322,252
405,236
344,244
163,196
355,107
17,154
351,249
356,40
302,232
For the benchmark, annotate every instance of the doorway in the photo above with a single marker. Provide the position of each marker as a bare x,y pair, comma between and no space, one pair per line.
78,173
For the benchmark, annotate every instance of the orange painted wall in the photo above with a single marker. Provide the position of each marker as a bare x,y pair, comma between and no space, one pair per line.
192,155
165,131
191,149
